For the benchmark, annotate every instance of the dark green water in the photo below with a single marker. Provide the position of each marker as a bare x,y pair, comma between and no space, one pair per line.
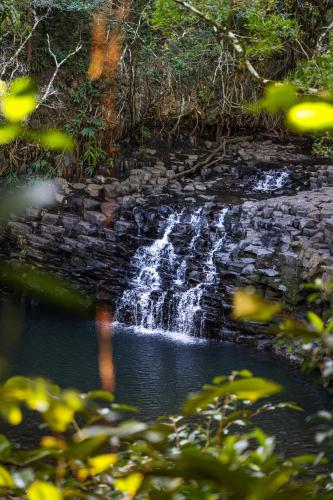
156,372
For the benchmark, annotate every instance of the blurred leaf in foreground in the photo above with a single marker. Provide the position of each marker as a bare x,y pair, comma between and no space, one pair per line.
20,101
249,389
45,287
41,490
311,116
9,132
129,484
278,97
249,306
51,139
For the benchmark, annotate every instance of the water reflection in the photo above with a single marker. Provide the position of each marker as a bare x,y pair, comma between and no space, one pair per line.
156,373
104,328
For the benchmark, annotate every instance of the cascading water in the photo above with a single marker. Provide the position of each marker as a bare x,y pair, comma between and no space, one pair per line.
161,295
145,298
189,315
271,181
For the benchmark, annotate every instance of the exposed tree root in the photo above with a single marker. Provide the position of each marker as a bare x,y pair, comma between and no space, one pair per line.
211,159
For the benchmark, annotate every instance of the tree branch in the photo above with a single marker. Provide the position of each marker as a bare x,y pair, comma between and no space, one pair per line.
210,160
14,57
232,38
48,91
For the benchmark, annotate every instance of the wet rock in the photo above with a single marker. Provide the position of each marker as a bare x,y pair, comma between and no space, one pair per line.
94,190
111,191
110,210
94,217
90,204
189,188
85,227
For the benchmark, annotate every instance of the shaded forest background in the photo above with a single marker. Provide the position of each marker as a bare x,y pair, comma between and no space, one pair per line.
129,71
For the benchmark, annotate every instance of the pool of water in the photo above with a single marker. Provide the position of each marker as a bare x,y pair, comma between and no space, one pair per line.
155,372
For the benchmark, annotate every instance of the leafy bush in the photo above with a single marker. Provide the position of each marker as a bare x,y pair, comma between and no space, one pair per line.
87,451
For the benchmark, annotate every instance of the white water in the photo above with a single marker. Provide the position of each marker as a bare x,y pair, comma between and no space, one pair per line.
272,181
160,296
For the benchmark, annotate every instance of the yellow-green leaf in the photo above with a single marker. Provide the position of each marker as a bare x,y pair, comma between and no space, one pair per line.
11,412
17,108
248,305
51,139
129,484
278,97
101,463
6,479
311,116
251,389
14,415
53,442
73,400
23,86
59,416
316,322
41,490
9,133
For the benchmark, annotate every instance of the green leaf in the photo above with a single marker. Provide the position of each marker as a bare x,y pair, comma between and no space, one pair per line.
51,139
278,97
129,484
21,100
84,449
29,457
41,490
102,395
296,328
248,305
311,116
45,287
193,465
9,133
250,389
6,479
316,322
124,407
5,448
125,429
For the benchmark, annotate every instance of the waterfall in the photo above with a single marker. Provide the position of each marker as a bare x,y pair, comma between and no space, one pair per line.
161,294
272,180
144,300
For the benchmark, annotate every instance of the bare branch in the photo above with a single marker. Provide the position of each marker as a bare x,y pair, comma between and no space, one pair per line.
48,91
14,57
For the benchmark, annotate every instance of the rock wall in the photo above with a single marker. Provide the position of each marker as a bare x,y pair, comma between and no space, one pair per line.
286,241
275,244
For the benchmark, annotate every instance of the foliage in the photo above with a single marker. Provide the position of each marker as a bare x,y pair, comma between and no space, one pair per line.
87,129
307,115
17,104
75,5
88,451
